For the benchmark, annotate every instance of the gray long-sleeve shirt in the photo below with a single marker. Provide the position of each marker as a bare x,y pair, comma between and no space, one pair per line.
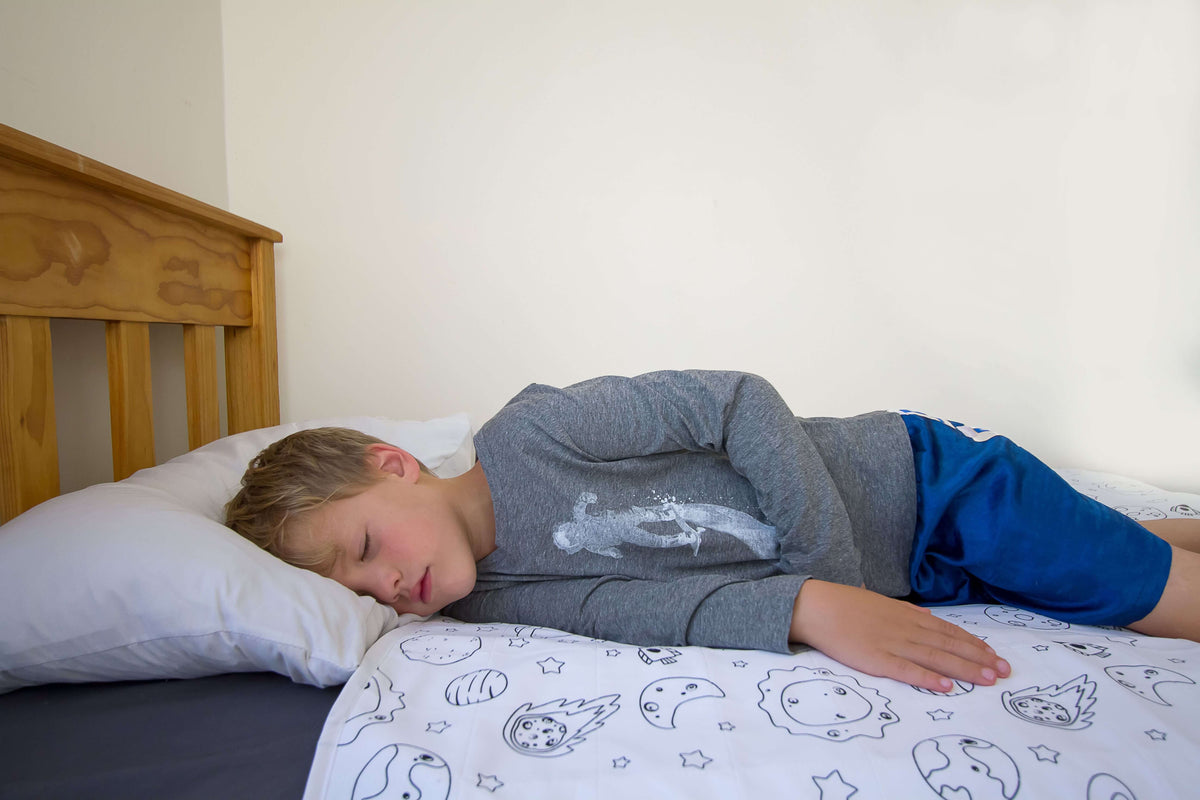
685,508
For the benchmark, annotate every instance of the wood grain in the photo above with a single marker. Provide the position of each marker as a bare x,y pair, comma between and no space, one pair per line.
200,375
129,397
251,360
28,438
69,250
20,147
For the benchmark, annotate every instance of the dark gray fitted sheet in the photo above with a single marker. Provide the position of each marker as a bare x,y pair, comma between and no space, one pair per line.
246,735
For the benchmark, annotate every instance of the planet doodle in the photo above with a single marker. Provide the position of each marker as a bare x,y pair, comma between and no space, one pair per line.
966,768
403,770
434,649
1020,618
476,687
817,702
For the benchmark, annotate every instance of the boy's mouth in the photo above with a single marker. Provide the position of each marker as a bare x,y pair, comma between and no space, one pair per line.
425,587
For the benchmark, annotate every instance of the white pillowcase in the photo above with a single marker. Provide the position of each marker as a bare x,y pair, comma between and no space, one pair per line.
140,579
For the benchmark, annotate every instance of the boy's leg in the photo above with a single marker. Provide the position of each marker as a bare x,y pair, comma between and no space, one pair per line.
1177,614
1182,533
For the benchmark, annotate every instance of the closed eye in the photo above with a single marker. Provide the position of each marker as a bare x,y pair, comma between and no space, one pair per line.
366,546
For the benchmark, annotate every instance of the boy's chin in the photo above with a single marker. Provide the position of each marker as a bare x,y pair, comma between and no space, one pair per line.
404,608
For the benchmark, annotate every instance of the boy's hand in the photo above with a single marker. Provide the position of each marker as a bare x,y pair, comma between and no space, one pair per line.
891,638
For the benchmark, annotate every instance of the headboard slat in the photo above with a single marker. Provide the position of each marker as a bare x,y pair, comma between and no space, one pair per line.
203,399
28,436
251,354
129,396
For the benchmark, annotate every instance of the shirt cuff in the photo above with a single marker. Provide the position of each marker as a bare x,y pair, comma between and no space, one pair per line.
748,615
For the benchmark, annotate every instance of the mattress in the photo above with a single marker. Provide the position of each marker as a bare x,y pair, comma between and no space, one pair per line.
248,735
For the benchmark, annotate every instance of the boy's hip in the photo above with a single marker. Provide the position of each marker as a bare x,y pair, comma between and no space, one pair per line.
996,524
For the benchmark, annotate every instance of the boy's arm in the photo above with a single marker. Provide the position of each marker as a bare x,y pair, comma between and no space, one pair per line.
709,610
857,627
890,638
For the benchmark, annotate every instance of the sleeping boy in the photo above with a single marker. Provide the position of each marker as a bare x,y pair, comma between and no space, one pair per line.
693,508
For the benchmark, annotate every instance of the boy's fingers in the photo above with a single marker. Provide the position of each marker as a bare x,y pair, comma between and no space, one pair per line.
931,667
950,659
951,638
914,674
952,666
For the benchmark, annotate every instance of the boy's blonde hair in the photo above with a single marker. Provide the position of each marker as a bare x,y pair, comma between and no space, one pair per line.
293,476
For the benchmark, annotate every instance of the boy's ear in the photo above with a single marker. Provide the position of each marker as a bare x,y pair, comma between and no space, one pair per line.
389,458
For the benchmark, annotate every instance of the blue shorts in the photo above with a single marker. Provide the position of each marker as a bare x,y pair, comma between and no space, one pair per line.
996,525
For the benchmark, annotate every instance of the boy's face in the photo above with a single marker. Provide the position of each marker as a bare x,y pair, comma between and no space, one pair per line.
399,542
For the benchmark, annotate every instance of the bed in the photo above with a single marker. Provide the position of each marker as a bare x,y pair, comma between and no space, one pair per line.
147,651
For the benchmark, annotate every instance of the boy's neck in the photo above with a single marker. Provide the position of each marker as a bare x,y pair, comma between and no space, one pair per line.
473,498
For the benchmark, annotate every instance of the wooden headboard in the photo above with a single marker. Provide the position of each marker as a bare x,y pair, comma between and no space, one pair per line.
82,240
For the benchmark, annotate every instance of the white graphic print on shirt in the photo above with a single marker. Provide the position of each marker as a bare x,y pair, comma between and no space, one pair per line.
604,533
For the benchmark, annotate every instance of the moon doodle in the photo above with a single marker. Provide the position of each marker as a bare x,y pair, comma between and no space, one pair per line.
1144,680
661,699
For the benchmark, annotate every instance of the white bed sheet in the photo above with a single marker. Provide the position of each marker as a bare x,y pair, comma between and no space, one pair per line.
441,708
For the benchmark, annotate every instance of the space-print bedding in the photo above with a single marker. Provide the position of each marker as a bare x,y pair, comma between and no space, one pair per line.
441,708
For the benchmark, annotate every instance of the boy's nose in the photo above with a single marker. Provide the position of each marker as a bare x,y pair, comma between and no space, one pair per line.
390,584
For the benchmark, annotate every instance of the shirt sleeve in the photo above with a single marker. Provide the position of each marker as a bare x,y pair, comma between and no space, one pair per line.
708,610
743,417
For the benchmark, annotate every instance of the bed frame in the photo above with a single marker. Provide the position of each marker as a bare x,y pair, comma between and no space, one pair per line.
82,240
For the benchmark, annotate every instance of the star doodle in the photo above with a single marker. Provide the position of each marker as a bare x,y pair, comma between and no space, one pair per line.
834,787
620,763
940,715
740,664
612,653
1156,735
1041,648
1044,753
437,727
550,664
489,782
1177,660
517,642
695,759
725,726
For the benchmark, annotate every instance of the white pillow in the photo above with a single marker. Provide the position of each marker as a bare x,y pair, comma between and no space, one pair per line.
139,579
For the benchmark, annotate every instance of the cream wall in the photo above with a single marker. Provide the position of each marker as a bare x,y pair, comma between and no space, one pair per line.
986,209
983,209
136,84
